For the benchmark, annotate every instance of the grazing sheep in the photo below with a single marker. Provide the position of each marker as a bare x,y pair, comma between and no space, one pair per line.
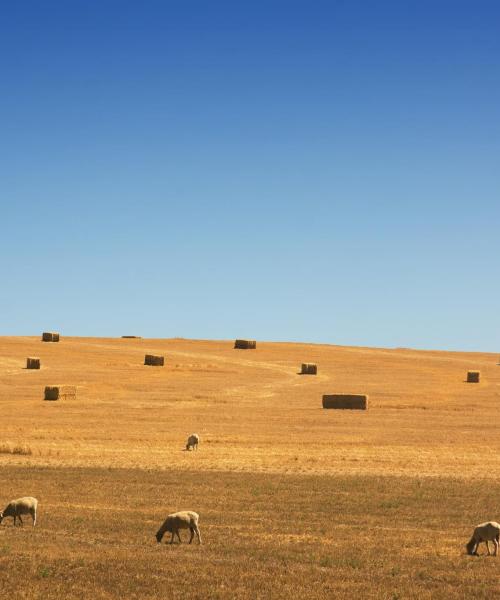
185,519
485,532
21,506
193,441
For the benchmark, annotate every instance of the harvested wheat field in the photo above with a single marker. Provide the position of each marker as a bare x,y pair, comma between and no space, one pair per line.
294,500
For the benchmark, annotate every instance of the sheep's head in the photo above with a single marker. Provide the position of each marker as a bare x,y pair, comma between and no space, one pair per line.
159,536
470,547
1,516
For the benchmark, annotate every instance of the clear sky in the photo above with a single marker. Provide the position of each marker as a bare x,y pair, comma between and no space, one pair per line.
324,171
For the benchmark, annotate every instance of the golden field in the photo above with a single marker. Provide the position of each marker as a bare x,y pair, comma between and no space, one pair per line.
294,500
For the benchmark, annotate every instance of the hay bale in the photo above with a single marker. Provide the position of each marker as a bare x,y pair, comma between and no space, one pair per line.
52,392
50,336
32,363
346,401
154,361
473,376
67,392
245,344
131,337
56,392
309,369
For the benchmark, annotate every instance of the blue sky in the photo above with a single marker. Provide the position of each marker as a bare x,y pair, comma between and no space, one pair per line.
281,170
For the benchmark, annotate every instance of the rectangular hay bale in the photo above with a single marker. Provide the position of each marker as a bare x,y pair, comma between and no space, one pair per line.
52,392
32,362
56,392
50,336
473,376
154,361
309,369
67,392
245,344
346,401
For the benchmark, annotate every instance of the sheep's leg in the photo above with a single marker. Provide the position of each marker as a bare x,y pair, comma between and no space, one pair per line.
192,534
19,517
15,520
487,547
179,536
172,538
197,531
33,516
495,544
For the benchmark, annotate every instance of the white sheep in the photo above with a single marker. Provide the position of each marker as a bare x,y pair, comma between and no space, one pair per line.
485,532
193,441
21,506
185,519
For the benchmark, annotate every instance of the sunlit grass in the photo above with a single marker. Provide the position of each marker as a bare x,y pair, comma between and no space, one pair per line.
288,536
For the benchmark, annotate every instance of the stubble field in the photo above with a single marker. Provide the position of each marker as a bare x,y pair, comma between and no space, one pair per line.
294,501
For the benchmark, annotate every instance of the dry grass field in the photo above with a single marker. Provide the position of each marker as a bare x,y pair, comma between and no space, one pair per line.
294,501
